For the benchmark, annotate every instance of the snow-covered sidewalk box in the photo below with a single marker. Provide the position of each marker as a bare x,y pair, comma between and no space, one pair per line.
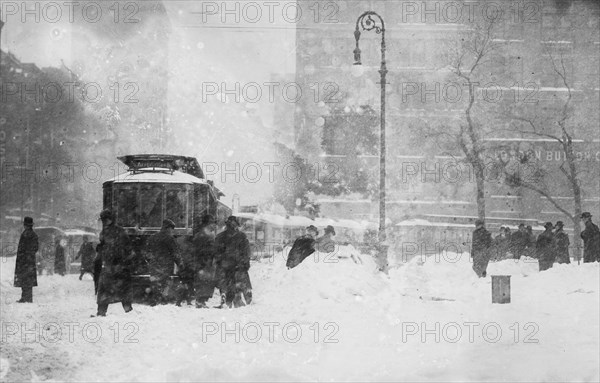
428,320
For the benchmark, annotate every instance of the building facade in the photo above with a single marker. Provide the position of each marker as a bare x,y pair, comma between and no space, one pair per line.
517,82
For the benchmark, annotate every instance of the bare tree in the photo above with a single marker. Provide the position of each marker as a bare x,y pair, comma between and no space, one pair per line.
560,127
467,62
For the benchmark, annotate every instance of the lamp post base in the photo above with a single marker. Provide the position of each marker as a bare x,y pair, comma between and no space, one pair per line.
382,258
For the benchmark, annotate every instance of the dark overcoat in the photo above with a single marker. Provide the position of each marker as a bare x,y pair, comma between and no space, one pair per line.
87,254
481,250
60,263
545,250
205,268
561,247
232,250
302,248
591,242
115,252
232,255
164,255
25,267
519,241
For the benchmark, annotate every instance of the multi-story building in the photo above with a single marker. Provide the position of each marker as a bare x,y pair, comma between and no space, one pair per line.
519,80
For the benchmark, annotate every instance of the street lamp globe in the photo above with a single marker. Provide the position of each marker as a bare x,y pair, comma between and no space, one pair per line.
357,70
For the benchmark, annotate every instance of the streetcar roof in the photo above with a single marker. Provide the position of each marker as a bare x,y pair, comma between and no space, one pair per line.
79,232
183,164
175,177
424,222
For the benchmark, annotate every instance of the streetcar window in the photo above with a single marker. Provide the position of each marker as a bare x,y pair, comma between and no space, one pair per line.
127,207
201,200
190,203
176,207
152,203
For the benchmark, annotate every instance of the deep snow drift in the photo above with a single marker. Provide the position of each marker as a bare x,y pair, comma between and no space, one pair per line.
327,319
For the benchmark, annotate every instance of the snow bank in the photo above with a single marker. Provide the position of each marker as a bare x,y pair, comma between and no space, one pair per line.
323,278
329,318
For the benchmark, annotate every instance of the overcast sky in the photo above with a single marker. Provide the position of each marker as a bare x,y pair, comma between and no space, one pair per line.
205,44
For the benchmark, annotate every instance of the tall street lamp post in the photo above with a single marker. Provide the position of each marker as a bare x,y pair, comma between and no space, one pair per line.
367,23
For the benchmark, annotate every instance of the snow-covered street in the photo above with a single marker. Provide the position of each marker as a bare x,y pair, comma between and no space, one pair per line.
427,321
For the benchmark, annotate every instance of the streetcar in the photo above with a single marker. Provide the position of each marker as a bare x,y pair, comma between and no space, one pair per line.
157,187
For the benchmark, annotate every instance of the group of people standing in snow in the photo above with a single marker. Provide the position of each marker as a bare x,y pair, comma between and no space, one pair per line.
549,247
204,262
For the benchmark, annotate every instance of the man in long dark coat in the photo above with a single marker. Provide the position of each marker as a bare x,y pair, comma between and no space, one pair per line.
87,254
545,249
185,288
302,248
561,244
97,271
204,249
232,250
117,259
164,256
60,263
519,241
25,267
500,245
591,239
480,248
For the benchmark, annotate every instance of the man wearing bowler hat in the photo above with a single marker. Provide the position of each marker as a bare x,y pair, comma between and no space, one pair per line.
232,253
115,250
591,239
545,249
325,244
204,255
302,248
25,270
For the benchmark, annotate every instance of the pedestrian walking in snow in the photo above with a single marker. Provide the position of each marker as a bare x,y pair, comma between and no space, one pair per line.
545,249
233,262
561,244
115,251
204,252
25,266
164,255
60,263
591,239
303,247
87,254
481,248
